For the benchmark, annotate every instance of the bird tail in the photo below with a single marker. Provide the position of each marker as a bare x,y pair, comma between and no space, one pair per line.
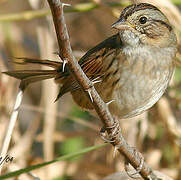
29,76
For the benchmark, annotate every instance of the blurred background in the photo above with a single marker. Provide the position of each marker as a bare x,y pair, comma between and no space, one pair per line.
46,130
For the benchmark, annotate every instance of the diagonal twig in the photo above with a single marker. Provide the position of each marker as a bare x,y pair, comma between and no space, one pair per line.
110,124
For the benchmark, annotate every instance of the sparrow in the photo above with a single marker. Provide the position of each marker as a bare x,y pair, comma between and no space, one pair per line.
133,66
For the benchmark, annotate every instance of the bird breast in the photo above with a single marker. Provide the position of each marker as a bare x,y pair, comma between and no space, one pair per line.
144,74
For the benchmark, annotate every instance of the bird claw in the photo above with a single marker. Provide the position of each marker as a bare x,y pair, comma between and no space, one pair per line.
104,136
133,174
107,139
115,132
116,129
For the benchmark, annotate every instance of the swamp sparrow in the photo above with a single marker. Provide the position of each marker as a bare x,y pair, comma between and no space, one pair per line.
135,65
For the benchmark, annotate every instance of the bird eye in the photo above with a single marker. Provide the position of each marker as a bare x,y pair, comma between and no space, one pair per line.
143,20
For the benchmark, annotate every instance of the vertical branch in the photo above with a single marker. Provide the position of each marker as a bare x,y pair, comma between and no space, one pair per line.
65,53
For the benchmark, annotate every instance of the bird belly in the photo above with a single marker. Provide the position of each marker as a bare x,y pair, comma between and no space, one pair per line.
139,91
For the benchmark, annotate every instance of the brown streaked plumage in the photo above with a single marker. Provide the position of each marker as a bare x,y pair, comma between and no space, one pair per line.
134,66
129,10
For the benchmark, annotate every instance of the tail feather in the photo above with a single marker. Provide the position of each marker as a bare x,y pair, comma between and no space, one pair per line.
45,62
26,81
30,76
22,74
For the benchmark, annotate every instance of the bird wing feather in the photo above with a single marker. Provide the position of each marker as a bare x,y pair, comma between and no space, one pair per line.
92,62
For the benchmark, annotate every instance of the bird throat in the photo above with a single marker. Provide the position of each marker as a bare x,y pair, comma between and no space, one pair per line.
129,38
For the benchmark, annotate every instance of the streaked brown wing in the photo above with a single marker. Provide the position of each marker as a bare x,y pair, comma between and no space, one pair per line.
93,66
92,62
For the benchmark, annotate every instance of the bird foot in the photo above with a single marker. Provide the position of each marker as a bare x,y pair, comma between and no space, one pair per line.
115,131
135,173
104,136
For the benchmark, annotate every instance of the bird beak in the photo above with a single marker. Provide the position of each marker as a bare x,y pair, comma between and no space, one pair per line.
122,25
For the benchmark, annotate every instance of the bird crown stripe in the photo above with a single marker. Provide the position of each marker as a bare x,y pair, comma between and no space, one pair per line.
133,8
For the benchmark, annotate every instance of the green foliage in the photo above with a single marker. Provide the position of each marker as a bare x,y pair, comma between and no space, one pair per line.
178,80
168,154
77,112
72,145
178,75
62,158
159,132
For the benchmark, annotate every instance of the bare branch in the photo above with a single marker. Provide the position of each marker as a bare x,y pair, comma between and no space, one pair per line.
111,125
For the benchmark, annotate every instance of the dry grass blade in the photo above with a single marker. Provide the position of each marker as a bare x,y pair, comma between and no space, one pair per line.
11,125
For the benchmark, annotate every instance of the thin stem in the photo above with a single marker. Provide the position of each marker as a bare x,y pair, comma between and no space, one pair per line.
11,125
82,7
29,15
